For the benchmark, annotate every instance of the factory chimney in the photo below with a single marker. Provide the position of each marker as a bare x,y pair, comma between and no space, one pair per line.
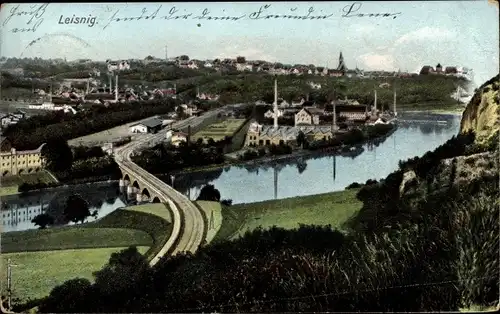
375,103
109,87
275,103
116,89
395,112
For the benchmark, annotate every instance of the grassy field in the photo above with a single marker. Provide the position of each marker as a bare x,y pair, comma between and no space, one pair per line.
218,131
10,184
322,209
73,237
37,273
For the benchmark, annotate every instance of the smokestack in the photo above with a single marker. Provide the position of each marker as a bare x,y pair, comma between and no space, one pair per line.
88,86
375,104
334,116
116,90
110,84
275,103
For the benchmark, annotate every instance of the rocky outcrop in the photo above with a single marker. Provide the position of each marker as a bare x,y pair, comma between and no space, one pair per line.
482,114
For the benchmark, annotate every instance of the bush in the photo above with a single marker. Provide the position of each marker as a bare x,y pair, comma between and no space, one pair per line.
353,185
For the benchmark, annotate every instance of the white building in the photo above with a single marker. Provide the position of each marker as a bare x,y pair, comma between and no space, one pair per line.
118,65
147,126
270,113
178,137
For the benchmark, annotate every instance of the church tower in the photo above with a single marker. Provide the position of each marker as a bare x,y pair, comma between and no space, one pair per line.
342,67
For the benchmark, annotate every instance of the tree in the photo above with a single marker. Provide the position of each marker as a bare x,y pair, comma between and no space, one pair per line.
123,269
184,58
240,59
43,220
58,155
77,209
68,297
209,193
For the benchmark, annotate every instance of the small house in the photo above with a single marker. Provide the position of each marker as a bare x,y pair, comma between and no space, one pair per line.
308,116
178,137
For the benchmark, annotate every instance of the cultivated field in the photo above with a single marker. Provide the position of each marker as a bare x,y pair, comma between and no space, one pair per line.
323,209
218,131
9,184
37,273
107,135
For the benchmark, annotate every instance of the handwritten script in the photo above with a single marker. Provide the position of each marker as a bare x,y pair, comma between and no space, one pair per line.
33,17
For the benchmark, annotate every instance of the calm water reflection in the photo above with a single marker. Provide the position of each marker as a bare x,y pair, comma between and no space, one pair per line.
18,210
321,174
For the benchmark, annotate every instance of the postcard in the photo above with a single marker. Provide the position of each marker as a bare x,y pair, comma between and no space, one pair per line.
249,156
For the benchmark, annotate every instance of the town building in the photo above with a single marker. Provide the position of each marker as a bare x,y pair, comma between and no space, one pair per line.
270,114
178,137
12,118
117,65
151,125
21,162
308,116
260,135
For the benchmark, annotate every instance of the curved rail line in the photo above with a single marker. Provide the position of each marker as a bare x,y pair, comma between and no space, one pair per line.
188,221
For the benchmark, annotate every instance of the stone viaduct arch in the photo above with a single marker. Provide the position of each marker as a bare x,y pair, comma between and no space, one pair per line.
136,186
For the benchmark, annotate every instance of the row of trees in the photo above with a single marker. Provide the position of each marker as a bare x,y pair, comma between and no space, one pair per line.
79,163
165,158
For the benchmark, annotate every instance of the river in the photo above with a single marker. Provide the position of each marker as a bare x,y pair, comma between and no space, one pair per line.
18,210
321,174
253,183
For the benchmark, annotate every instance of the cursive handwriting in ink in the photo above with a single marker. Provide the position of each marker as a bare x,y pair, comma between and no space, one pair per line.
172,15
205,15
261,14
143,15
35,15
350,11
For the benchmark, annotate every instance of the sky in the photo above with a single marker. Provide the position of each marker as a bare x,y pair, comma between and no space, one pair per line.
415,33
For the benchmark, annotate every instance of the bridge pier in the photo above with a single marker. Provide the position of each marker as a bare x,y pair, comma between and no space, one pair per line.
139,198
131,189
124,183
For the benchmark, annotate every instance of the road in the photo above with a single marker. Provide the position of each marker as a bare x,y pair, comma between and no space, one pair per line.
188,223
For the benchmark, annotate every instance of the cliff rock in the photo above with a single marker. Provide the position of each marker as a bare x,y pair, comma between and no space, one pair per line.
482,114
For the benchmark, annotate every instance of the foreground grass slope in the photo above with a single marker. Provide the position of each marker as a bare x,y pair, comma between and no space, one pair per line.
331,209
37,273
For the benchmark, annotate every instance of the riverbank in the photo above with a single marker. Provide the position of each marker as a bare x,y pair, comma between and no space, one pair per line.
328,209
438,108
13,190
296,154
10,184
